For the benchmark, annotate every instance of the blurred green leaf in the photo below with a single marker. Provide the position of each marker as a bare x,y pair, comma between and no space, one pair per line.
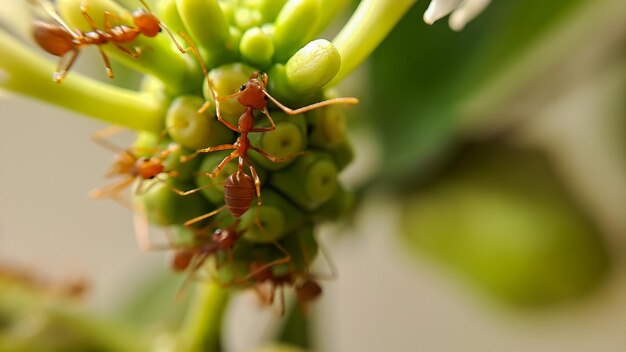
499,218
422,74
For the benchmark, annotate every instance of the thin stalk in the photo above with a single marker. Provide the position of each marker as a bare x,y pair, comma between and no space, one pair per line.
24,72
368,26
202,327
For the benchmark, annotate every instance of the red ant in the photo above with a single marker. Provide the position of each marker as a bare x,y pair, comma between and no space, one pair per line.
131,167
192,256
304,283
239,188
59,39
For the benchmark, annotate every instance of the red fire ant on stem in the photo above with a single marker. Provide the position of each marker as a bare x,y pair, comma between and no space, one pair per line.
240,187
59,39
131,167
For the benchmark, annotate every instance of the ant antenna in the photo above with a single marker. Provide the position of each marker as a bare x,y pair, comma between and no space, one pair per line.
49,9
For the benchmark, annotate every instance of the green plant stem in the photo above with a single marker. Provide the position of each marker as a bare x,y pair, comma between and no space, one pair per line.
111,335
368,26
24,72
202,327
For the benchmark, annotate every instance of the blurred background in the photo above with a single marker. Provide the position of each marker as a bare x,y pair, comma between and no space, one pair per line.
490,172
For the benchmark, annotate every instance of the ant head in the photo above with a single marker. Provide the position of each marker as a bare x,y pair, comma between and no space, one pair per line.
253,91
149,168
148,24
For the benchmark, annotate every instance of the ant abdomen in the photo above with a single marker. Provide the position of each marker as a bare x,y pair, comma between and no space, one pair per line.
238,193
53,39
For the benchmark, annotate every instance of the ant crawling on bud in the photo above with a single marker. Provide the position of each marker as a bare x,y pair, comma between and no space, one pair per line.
59,39
240,187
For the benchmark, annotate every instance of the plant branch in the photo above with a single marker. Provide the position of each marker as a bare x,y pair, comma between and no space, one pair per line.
368,26
201,330
24,72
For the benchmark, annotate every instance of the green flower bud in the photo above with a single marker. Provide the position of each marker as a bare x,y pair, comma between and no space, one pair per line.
309,182
294,26
246,18
193,130
168,14
145,144
158,58
155,88
235,37
336,207
302,247
270,9
342,154
287,140
206,24
216,194
257,47
184,171
226,80
278,85
313,66
327,126
164,207
272,220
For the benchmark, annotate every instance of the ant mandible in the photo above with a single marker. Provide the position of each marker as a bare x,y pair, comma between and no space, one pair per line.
239,188
59,39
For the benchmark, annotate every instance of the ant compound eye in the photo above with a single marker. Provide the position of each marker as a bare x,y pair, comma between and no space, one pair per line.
160,29
242,88
265,97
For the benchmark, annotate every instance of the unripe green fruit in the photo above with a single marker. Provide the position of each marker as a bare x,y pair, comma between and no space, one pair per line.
310,181
272,220
192,130
327,125
294,26
338,206
246,18
257,47
164,207
286,141
309,69
342,154
226,80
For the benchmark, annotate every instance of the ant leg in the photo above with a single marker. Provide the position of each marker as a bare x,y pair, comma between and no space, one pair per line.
223,164
113,189
62,70
282,301
107,64
288,111
142,235
265,129
190,222
257,181
83,11
191,191
186,158
276,159
107,20
101,137
218,112
134,54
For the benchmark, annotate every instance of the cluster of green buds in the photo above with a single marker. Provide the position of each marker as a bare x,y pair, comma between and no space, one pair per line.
234,42
233,39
